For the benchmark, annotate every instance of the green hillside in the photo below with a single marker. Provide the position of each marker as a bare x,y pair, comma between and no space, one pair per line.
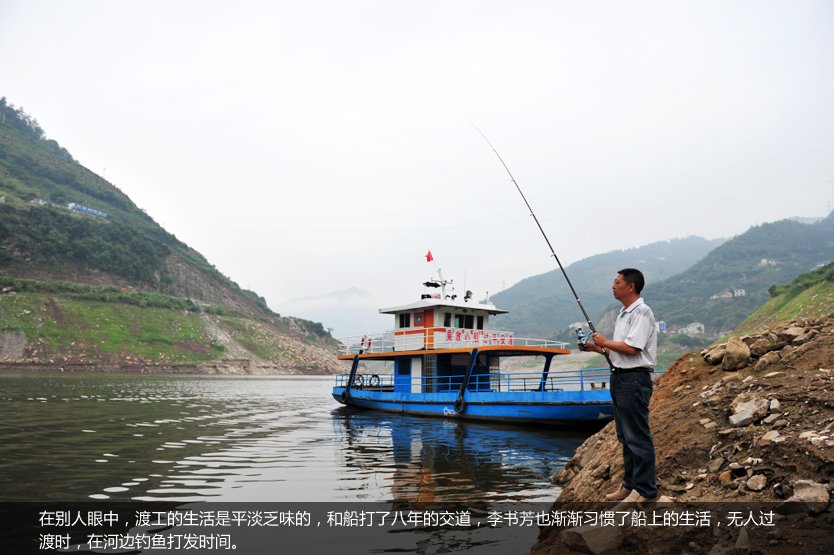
718,285
40,236
810,295
543,306
86,276
753,261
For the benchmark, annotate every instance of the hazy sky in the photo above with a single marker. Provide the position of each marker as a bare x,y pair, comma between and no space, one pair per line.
310,146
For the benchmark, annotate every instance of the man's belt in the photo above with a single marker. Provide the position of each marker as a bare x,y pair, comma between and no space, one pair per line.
629,370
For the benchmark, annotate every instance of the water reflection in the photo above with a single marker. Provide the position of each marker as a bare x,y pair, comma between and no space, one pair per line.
132,437
436,460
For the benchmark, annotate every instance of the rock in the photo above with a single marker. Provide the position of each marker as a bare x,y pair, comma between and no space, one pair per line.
771,419
602,472
566,475
804,337
742,545
742,418
788,335
715,465
758,482
775,406
780,424
772,436
808,496
715,356
593,539
750,402
764,345
736,356
710,425
726,478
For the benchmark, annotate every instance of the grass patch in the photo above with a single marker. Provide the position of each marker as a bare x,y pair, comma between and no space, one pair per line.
58,326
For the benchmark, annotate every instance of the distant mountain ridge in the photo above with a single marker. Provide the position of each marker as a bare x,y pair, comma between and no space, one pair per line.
718,287
543,306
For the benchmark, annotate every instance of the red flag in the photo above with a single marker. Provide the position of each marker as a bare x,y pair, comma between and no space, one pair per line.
429,257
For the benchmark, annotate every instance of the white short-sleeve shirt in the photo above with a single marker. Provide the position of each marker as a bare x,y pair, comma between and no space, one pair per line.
636,327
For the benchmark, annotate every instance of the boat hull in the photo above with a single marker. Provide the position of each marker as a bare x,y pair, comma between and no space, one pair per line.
549,407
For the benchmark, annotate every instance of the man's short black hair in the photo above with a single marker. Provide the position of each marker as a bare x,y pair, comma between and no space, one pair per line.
635,276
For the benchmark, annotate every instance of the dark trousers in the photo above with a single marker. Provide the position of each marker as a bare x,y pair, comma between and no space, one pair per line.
631,393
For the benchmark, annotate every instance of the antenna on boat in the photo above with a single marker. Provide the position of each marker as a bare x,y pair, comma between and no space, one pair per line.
552,251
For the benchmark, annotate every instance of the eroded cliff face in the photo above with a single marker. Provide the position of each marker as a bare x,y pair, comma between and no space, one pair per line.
182,279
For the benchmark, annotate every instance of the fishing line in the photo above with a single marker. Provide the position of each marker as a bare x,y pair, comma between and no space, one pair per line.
591,326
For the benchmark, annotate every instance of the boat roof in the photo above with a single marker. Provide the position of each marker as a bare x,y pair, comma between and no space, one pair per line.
433,302
498,350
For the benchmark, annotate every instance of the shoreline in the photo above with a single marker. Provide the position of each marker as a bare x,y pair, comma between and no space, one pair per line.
230,368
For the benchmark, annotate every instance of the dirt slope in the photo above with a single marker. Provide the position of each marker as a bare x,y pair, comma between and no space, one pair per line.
729,436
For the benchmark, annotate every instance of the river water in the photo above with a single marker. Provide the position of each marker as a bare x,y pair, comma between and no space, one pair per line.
121,441
81,437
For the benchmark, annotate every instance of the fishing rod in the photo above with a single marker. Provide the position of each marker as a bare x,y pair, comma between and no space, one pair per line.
580,335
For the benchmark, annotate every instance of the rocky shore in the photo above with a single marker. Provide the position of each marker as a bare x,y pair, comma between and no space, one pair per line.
747,423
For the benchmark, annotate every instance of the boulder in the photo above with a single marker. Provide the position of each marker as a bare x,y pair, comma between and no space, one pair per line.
715,355
742,418
736,356
767,360
805,337
791,333
764,345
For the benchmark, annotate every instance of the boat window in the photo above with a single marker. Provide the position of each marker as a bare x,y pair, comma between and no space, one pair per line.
405,320
459,320
480,322
469,322
447,319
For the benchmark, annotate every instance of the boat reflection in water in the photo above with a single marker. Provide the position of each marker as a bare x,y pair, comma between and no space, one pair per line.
428,460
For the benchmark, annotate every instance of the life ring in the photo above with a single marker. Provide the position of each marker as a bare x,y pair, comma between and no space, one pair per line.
358,381
374,381
460,405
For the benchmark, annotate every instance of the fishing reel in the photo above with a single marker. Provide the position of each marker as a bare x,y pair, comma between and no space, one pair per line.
581,336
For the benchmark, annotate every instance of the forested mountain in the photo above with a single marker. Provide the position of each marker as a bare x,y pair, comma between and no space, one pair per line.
688,280
733,280
543,306
68,236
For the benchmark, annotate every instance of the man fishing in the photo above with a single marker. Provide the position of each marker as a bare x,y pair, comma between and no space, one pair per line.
632,353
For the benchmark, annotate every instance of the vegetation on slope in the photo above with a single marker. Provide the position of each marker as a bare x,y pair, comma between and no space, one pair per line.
810,295
41,237
112,287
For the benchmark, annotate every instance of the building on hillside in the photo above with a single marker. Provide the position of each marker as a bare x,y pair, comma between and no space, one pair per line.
661,326
739,293
695,329
84,210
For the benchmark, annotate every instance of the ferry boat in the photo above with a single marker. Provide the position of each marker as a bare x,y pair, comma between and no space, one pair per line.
442,359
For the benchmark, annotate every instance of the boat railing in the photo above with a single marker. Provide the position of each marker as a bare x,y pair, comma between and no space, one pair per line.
581,379
437,338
